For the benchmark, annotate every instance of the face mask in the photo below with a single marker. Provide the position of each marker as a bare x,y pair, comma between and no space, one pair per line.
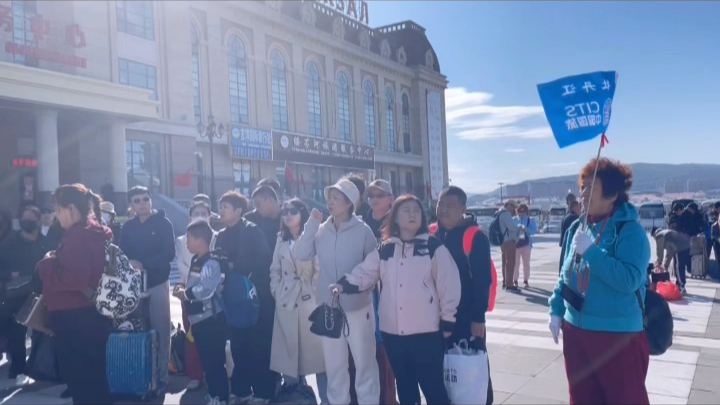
28,225
44,229
106,218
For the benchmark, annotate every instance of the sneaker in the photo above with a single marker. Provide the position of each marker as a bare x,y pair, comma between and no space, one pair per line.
683,290
193,385
214,400
234,399
22,379
525,284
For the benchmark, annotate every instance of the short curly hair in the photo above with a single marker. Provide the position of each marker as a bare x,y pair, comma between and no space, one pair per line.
616,178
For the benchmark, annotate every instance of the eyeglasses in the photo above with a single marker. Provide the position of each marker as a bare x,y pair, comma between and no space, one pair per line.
377,196
140,200
286,212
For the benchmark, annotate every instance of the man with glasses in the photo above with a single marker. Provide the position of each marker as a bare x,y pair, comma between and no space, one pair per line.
148,240
380,197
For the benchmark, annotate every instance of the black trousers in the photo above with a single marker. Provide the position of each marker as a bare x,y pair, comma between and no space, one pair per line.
683,265
210,342
15,334
417,360
250,350
81,337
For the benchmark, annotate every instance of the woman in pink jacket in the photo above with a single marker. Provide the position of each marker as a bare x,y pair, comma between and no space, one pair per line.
419,297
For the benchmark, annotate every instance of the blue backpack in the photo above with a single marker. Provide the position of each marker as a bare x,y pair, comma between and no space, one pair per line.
240,299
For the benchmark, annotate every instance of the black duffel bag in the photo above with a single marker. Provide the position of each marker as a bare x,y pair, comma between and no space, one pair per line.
657,321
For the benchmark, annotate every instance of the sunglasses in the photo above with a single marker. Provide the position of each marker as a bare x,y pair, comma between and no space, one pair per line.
377,196
285,212
140,200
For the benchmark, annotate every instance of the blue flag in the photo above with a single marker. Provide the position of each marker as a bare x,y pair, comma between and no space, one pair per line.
578,107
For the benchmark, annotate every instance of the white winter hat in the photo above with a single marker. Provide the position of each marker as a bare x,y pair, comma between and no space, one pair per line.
346,187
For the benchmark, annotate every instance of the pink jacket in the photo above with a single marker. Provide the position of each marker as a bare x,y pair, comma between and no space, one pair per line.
420,293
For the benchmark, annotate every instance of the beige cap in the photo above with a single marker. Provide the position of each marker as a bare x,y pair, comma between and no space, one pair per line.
380,184
346,187
107,206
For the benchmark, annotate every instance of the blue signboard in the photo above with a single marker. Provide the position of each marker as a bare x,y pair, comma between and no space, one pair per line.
250,143
578,107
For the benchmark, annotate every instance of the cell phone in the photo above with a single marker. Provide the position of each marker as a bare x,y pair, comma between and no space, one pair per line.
573,298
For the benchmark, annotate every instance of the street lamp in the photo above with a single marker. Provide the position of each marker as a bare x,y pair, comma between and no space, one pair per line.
211,131
501,196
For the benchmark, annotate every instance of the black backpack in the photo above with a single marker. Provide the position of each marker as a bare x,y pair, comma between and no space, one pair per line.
495,234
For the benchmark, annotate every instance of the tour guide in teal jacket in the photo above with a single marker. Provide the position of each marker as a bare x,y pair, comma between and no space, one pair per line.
617,267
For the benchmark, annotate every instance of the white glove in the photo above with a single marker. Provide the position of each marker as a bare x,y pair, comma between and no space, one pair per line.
581,242
555,325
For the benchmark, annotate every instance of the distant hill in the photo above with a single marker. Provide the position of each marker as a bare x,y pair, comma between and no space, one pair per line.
647,178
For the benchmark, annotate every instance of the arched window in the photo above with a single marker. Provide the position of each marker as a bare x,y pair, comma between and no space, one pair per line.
196,75
313,94
406,123
237,73
278,85
390,99
368,101
343,93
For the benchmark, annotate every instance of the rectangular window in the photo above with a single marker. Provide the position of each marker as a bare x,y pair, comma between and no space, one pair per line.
138,74
409,182
241,172
136,18
22,33
143,164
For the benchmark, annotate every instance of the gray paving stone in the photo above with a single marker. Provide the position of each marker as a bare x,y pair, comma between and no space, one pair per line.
699,397
706,379
508,383
547,389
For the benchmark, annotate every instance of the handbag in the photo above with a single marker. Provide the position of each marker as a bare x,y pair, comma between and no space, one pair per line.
526,240
329,320
19,287
34,315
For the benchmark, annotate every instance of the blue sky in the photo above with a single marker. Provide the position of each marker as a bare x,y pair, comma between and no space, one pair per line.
666,105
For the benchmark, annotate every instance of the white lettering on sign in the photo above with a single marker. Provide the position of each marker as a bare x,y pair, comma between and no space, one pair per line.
606,85
585,108
350,9
588,87
568,89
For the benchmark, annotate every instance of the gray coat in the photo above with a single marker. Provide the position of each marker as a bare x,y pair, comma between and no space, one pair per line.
673,242
508,227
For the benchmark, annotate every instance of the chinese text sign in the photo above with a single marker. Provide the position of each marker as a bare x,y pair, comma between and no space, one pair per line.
250,143
578,107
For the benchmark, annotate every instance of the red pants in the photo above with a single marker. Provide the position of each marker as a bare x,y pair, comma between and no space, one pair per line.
605,367
193,367
387,378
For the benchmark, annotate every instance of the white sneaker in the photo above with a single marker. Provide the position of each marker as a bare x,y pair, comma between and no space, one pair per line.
193,385
22,379
242,400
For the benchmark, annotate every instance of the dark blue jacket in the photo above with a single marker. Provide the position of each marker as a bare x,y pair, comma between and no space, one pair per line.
152,243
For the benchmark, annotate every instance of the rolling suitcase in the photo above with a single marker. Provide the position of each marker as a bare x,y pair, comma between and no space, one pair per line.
132,368
698,268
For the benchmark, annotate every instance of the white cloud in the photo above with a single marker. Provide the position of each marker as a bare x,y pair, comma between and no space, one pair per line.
514,150
470,117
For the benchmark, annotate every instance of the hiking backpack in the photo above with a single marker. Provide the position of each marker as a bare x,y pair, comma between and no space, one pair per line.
239,297
120,288
495,233
468,237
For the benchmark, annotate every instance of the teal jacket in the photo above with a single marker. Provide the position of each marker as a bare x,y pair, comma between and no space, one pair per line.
618,268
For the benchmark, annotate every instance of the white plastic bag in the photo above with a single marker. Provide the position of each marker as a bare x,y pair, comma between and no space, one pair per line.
466,374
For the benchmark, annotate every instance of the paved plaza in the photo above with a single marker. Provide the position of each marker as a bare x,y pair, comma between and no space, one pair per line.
526,365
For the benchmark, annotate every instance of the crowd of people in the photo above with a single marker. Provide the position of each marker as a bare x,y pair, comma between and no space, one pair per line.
408,289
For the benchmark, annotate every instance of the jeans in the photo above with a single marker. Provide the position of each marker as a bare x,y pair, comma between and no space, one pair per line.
418,360
210,342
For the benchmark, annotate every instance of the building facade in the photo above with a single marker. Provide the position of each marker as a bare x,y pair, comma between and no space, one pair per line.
121,93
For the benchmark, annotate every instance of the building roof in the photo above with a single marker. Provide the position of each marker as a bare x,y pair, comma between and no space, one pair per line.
407,42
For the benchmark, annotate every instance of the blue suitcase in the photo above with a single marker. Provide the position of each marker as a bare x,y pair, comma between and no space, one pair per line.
132,364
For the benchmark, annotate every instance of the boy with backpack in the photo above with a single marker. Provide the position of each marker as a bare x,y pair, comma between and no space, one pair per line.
205,310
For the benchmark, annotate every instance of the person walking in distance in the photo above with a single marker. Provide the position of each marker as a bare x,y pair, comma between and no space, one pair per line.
340,244
511,234
148,240
524,244
475,269
252,382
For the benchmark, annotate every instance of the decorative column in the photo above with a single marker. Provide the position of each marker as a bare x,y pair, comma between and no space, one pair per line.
48,168
118,166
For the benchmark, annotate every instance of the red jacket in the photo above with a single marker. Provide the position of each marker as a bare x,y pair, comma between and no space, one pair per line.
78,263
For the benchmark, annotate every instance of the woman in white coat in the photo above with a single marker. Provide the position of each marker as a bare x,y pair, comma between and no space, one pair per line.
296,352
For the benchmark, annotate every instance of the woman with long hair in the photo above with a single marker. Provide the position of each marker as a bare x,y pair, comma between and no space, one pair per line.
296,352
418,302
81,333
597,302
341,243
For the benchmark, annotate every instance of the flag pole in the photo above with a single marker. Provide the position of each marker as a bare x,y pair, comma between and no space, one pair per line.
603,141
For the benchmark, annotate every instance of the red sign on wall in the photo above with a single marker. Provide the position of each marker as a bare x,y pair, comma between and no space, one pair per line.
40,28
24,162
